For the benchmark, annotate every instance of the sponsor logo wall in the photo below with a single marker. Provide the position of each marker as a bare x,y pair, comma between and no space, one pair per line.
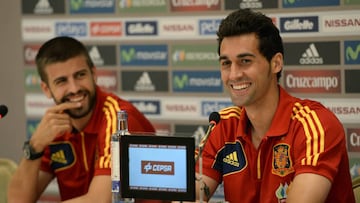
162,55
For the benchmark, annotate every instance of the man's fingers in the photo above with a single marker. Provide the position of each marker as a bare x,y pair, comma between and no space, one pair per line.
64,106
60,129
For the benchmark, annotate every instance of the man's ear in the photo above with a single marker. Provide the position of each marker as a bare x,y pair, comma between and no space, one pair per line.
277,63
45,88
94,73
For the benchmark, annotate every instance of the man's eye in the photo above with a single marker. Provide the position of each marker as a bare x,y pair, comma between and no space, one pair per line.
245,61
225,63
59,82
80,75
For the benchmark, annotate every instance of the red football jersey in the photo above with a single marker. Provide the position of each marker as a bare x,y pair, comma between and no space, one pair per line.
76,157
304,137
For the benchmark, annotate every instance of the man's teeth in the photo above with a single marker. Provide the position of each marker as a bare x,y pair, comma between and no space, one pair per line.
76,99
239,87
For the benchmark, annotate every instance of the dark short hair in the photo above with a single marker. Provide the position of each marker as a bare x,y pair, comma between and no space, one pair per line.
59,49
246,21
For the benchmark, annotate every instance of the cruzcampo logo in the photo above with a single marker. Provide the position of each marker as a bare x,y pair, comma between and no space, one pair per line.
180,82
76,4
127,56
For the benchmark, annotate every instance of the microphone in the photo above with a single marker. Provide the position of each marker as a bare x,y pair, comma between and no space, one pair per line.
3,111
214,119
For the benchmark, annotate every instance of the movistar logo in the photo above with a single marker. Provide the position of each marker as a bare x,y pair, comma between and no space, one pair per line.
76,4
180,82
352,54
127,56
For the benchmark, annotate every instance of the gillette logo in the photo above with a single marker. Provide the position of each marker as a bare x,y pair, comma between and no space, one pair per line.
147,107
157,167
141,28
299,24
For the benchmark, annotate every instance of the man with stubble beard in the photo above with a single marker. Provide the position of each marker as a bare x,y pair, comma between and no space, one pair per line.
72,140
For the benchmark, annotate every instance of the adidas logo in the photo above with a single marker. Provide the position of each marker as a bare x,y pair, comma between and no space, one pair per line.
311,56
43,7
144,83
95,56
59,157
232,159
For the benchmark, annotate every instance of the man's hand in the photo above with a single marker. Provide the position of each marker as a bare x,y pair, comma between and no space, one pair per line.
54,123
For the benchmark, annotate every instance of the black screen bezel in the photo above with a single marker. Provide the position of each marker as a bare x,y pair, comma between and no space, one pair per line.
188,142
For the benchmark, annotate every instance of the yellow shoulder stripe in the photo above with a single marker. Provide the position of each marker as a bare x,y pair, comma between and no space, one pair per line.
233,111
111,106
314,133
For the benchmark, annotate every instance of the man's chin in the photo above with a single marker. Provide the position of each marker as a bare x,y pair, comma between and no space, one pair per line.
78,113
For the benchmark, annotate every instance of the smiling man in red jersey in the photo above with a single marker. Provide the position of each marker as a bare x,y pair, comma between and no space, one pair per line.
270,147
72,141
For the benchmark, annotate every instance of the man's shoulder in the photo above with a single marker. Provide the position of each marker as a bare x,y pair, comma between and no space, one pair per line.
231,112
105,97
316,110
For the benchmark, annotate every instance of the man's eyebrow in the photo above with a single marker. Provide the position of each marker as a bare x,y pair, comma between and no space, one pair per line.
222,58
238,56
58,79
81,71
245,55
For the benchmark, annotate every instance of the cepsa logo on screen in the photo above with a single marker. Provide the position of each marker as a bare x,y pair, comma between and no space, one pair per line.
157,167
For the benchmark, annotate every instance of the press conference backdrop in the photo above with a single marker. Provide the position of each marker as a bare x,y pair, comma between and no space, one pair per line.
162,55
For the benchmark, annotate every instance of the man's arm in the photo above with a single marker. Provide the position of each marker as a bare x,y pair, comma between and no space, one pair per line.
206,185
309,188
99,191
27,183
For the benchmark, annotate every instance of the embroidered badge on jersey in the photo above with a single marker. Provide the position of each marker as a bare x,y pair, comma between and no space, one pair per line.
231,158
282,164
62,155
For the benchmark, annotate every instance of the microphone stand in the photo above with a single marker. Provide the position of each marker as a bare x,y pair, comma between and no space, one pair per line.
214,118
200,175
201,147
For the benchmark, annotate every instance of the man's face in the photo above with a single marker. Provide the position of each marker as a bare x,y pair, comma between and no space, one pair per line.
245,72
71,81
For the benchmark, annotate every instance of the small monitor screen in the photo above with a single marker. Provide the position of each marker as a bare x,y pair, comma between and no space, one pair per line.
157,167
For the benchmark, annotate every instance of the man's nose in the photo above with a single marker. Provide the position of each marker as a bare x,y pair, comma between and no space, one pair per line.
73,86
235,71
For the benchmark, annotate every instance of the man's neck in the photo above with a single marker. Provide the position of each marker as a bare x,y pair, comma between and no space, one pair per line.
261,116
81,123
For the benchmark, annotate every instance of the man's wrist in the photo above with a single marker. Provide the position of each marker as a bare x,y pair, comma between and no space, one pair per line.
30,153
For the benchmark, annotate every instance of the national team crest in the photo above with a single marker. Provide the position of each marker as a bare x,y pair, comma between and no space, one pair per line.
282,164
